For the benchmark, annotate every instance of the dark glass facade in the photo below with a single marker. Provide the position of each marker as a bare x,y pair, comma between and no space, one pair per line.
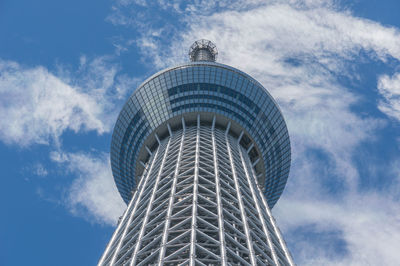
202,87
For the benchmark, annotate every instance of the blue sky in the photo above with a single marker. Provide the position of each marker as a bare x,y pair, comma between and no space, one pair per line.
67,67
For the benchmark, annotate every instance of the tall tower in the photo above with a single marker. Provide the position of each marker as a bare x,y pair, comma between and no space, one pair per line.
200,153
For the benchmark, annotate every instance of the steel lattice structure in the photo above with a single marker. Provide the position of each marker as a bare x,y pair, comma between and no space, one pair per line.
202,180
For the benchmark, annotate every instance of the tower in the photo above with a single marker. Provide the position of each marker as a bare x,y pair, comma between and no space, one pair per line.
200,153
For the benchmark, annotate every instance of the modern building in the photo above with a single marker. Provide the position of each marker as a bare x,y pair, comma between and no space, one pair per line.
200,153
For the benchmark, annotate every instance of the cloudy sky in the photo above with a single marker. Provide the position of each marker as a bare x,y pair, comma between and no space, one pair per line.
67,67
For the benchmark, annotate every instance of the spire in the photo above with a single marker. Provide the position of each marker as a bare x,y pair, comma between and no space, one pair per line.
203,50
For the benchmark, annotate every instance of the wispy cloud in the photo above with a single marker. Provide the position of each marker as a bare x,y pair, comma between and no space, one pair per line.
362,229
93,194
37,105
298,52
40,170
389,88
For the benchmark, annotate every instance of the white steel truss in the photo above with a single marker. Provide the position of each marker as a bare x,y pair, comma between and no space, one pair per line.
198,203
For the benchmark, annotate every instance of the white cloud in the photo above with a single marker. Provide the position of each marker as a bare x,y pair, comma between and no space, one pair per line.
93,194
37,106
368,225
389,88
40,170
309,30
296,51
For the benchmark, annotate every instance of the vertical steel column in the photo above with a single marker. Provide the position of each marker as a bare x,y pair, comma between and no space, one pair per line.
239,198
134,209
136,199
218,195
195,191
138,242
276,230
260,216
172,196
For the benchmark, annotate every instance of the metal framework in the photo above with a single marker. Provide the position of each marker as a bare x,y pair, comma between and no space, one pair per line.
203,50
200,153
198,203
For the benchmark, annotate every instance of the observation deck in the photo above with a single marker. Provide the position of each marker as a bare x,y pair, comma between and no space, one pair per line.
209,89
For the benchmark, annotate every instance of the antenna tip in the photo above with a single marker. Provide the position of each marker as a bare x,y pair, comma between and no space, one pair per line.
203,50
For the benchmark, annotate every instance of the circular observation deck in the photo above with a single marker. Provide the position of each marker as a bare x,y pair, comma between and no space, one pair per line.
157,106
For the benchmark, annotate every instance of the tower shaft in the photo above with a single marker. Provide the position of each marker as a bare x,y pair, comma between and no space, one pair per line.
198,203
